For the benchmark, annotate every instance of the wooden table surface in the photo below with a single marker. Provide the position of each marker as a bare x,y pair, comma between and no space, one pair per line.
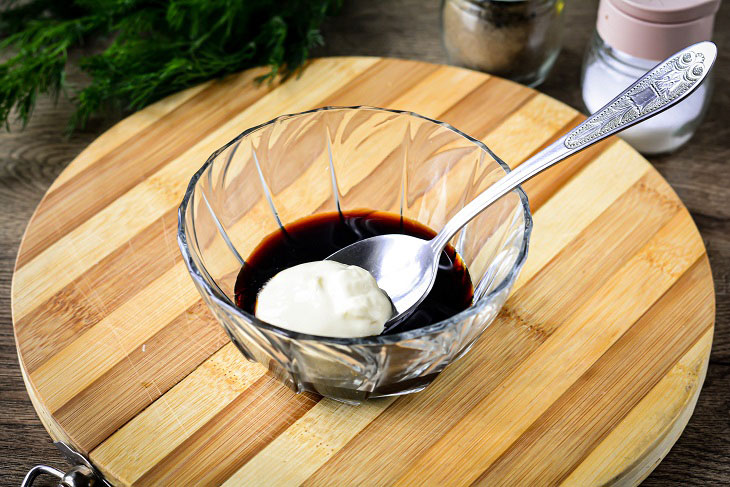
700,173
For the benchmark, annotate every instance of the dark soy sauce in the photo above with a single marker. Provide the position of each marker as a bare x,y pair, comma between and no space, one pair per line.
320,235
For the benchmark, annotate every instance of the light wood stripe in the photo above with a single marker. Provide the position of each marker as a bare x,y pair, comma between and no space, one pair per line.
54,430
485,434
540,188
308,443
601,346
578,203
645,427
438,90
473,115
541,117
368,88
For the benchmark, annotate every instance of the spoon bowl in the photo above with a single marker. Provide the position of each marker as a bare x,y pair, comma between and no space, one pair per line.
403,266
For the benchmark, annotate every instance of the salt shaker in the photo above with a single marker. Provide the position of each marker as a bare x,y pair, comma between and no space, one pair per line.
631,37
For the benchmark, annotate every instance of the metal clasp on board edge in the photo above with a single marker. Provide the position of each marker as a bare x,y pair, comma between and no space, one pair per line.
81,474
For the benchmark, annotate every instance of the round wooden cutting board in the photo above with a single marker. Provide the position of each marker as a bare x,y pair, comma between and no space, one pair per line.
588,376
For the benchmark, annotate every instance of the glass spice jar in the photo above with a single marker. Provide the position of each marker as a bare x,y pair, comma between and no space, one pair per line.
631,37
515,39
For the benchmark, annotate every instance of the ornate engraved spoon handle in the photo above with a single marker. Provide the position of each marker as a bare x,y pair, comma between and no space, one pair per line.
664,86
670,81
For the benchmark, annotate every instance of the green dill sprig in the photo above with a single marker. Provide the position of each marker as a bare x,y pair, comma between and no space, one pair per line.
153,47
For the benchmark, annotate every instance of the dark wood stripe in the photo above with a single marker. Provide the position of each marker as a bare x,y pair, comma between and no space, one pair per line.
525,322
369,89
144,375
135,159
597,402
541,187
473,116
238,432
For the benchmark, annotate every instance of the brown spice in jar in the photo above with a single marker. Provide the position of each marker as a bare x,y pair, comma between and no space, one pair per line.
513,39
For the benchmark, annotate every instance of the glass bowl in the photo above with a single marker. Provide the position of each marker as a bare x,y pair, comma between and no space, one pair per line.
347,158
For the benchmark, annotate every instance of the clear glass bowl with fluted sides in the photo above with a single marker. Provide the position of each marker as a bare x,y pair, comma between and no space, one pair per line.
346,158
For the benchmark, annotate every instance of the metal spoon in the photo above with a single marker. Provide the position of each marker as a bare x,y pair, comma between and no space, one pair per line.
405,267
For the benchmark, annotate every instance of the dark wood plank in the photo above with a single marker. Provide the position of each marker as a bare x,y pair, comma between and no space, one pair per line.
30,160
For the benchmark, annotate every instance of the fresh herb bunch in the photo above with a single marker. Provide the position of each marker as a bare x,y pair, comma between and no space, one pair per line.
154,47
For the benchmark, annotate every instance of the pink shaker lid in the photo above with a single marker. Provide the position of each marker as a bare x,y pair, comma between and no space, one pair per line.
654,29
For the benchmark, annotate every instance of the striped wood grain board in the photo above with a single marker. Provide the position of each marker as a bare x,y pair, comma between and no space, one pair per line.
588,376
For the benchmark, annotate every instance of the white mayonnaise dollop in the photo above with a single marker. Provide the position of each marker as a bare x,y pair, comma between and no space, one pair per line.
325,298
